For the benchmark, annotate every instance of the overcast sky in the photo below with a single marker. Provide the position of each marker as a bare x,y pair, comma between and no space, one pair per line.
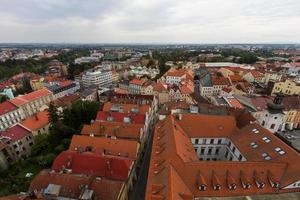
150,21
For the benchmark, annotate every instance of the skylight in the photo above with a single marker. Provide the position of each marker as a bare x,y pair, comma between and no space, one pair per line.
253,145
266,139
279,150
266,156
255,130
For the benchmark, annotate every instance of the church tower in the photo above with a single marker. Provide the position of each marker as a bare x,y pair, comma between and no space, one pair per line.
272,117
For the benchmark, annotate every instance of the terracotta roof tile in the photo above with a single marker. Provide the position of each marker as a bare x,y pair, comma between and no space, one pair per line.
36,122
105,146
72,183
20,100
120,117
15,132
111,167
126,108
114,129
171,168
7,107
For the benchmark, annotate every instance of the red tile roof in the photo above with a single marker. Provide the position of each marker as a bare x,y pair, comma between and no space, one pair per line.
126,108
105,146
137,82
15,133
71,184
119,117
36,122
234,103
114,129
116,168
256,74
7,107
176,173
20,100
219,80
65,83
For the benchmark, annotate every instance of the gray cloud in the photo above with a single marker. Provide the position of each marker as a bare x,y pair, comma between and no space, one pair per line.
191,21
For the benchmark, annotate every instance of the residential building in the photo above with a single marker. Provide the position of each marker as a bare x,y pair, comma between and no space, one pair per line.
97,77
37,124
89,59
135,86
291,69
33,102
63,88
272,76
115,76
15,142
175,76
37,83
190,162
288,87
88,94
254,76
57,69
10,114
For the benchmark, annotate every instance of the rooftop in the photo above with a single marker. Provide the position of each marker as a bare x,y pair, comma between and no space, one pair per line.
15,132
120,117
176,172
104,146
126,108
22,99
36,122
71,184
112,167
7,107
113,129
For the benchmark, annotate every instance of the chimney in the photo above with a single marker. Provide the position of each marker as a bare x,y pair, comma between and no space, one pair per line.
180,117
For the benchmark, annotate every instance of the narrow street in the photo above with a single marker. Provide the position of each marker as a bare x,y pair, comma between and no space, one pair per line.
139,188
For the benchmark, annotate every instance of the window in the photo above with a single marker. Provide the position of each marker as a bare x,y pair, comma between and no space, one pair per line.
253,145
226,154
196,141
266,156
263,123
266,139
229,144
219,141
204,141
196,149
240,157
218,150
255,130
202,150
277,149
233,149
272,126
209,151
211,141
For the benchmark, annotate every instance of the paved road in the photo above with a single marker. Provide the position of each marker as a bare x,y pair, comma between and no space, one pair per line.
139,188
